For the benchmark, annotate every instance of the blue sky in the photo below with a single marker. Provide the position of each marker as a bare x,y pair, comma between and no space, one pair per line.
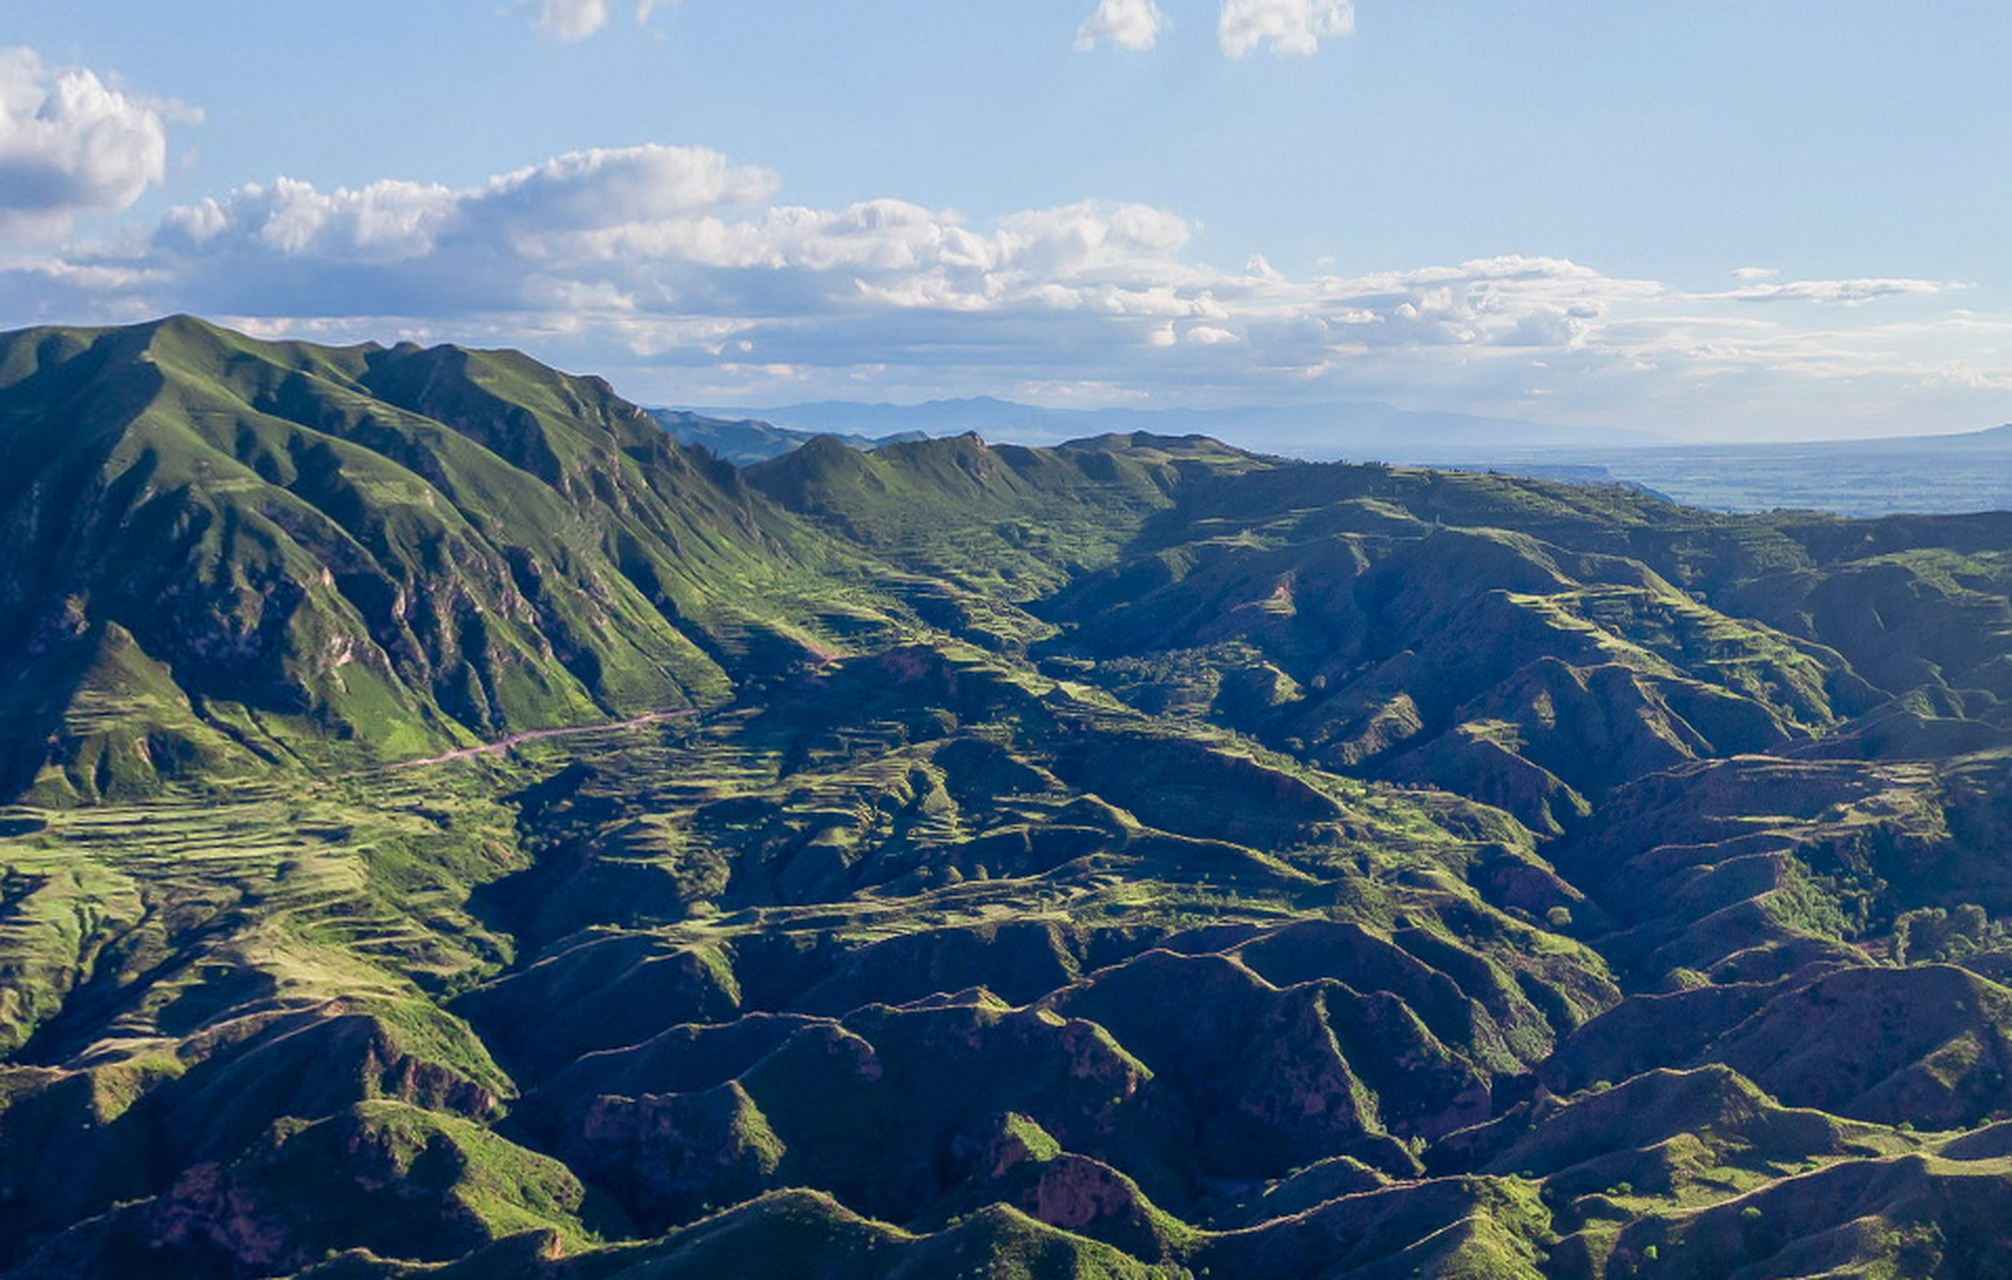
1709,220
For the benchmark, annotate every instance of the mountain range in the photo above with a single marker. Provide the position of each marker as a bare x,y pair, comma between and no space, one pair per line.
1876,476
1364,430
744,440
453,829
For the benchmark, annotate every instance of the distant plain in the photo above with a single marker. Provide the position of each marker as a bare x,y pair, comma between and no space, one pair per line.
1874,478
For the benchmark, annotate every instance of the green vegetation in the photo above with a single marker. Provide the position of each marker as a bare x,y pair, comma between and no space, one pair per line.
454,830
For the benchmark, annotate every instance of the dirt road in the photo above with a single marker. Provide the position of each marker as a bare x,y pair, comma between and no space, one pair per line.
532,735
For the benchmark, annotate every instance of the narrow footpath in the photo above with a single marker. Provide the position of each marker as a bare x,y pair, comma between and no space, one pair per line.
532,735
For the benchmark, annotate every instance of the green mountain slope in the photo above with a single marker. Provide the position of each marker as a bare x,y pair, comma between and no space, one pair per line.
455,830
235,554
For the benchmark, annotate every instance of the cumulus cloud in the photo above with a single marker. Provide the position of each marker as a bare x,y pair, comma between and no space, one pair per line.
583,196
1128,24
1285,26
72,144
676,270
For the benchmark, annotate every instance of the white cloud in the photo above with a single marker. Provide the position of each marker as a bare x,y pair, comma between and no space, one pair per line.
383,222
1128,24
71,144
585,190
1963,374
1849,293
572,19
564,207
1209,335
1286,26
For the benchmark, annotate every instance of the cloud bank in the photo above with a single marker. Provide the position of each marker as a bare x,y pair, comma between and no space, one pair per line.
677,271
70,144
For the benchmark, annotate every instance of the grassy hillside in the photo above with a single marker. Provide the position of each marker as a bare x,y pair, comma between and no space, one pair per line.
453,830
235,555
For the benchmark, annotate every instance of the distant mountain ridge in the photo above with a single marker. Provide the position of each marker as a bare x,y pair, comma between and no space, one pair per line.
744,440
1315,432
1949,473
1344,430
1990,438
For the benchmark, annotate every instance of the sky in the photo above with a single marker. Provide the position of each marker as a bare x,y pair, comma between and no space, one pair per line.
1708,220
